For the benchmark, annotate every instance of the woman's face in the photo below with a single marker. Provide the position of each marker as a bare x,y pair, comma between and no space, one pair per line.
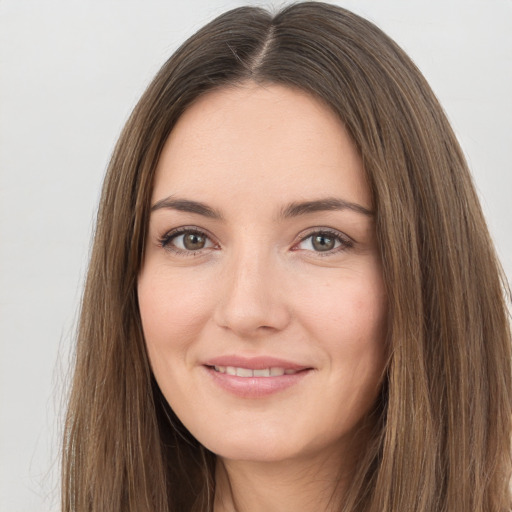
261,293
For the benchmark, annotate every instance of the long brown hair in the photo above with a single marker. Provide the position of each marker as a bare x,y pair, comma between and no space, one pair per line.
443,435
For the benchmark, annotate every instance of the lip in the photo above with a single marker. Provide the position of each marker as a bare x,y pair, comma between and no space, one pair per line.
254,363
255,387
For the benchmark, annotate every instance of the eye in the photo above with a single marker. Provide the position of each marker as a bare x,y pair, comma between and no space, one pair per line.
186,240
324,242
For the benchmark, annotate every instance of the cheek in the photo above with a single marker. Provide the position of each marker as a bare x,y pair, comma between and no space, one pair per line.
350,309
348,319
173,309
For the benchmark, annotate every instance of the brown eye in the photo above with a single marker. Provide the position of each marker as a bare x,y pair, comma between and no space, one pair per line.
194,241
186,241
327,242
323,242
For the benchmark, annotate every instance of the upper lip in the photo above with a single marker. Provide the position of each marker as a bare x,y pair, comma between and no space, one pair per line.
254,363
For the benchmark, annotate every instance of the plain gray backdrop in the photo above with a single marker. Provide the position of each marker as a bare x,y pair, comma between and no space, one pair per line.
70,72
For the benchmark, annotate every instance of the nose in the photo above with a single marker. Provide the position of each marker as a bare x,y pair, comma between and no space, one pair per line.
253,300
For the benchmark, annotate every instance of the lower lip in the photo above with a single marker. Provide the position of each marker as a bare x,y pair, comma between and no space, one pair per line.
255,387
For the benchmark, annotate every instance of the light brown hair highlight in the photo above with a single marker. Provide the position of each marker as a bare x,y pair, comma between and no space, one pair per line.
442,432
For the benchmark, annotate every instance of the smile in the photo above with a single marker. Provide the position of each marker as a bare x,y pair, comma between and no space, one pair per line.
255,377
248,372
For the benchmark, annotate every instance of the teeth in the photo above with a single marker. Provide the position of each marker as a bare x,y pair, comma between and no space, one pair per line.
247,372
262,373
244,372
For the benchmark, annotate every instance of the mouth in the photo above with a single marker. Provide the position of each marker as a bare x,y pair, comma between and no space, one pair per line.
274,371
255,377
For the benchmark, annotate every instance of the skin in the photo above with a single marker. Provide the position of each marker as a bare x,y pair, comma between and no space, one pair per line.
260,286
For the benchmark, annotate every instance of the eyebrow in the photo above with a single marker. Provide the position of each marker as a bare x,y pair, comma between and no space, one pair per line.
321,205
186,205
294,209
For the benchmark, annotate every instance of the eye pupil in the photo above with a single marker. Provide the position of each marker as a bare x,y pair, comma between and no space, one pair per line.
323,242
194,241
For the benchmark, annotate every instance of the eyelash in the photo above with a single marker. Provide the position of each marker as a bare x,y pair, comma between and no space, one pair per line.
345,242
165,241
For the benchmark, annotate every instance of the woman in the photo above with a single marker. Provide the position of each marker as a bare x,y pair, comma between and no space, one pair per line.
293,302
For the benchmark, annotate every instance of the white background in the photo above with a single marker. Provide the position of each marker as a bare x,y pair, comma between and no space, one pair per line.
70,72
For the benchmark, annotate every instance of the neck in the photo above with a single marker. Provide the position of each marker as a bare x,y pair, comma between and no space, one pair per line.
284,486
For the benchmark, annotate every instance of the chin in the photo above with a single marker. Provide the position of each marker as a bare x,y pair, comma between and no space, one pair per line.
265,446
255,452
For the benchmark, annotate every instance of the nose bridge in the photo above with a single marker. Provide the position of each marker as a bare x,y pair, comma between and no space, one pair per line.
251,300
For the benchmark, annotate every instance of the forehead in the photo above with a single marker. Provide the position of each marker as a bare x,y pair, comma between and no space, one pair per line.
253,140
